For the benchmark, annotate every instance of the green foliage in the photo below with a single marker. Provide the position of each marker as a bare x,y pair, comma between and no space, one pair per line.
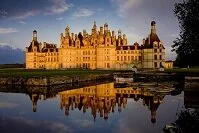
186,45
187,122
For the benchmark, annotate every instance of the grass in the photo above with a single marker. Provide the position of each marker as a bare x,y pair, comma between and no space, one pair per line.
20,72
184,70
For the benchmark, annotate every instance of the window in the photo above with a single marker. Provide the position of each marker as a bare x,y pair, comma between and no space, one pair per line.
108,65
160,50
160,57
155,50
128,57
121,58
125,58
118,58
140,57
155,57
108,58
155,64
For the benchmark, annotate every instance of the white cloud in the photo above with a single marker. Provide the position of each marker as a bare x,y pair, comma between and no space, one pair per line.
3,43
60,18
24,15
48,7
84,123
125,5
83,12
7,104
7,30
22,22
174,35
61,7
100,9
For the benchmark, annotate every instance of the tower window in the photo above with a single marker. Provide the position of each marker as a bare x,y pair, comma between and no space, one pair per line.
155,64
155,57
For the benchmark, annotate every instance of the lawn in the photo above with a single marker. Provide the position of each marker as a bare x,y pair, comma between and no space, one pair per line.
194,70
21,72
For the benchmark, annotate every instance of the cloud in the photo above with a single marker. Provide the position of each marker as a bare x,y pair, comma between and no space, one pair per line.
3,43
22,22
36,7
83,123
22,124
7,30
125,5
57,8
83,12
3,12
174,35
60,18
7,105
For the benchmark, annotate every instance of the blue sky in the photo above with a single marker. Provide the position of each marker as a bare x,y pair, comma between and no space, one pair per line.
18,18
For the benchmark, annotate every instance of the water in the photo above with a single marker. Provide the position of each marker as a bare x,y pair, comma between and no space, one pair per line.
98,108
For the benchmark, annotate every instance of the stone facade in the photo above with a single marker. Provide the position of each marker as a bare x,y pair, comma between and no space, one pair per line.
99,50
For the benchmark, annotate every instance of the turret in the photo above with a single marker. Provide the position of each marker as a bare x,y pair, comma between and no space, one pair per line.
67,31
105,28
94,26
34,35
153,28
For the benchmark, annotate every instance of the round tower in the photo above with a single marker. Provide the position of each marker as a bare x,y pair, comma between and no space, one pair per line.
153,27
34,35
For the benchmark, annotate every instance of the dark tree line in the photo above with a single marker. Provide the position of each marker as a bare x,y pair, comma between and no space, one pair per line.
186,45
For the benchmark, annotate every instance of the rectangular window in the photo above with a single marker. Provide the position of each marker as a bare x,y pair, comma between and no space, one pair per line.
160,57
118,58
108,65
155,57
160,50
155,50
128,57
108,58
155,64
140,57
125,58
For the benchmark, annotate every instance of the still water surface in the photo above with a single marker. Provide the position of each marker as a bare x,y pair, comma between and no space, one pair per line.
98,108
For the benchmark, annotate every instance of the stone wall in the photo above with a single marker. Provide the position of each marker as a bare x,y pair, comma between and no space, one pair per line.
56,80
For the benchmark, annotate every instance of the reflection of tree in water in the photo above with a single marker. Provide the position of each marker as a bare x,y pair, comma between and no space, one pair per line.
187,122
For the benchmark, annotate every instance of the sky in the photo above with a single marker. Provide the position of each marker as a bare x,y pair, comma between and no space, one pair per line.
18,18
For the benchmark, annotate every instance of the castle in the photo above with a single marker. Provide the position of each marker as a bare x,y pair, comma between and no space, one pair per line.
99,50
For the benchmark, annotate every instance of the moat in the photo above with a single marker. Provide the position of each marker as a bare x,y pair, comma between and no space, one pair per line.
100,107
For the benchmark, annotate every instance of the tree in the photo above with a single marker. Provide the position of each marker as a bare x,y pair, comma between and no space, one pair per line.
186,45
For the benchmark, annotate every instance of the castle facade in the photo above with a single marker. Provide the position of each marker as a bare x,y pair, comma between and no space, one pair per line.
101,49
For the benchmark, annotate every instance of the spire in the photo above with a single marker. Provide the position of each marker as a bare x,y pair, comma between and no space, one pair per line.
94,25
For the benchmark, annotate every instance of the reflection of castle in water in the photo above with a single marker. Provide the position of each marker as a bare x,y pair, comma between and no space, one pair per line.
104,98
